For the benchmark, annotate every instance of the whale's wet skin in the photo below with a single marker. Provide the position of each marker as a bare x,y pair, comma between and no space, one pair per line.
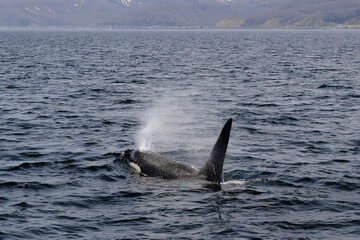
151,164
72,101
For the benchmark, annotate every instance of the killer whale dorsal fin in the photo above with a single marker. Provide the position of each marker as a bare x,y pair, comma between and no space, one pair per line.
213,167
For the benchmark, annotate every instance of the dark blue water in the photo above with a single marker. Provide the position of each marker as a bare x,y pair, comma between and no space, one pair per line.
71,101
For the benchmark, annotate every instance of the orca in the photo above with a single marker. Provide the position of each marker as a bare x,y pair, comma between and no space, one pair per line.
150,164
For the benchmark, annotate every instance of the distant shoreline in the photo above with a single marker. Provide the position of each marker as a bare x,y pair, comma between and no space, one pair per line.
173,28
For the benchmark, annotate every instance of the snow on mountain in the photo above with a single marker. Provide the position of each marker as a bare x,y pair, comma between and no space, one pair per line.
126,2
84,13
178,13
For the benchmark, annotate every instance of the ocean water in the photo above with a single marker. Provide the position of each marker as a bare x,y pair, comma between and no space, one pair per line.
72,101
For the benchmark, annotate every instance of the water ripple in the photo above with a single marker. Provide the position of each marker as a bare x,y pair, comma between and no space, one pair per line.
72,101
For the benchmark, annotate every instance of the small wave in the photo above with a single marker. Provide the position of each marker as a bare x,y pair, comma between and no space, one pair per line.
23,205
85,201
8,184
356,142
74,203
245,182
352,95
262,105
90,143
355,150
234,182
252,130
27,185
341,161
306,180
95,168
119,81
72,116
311,225
97,90
12,86
3,199
139,81
109,178
342,185
330,162
26,125
30,165
283,120
282,183
135,220
126,101
334,86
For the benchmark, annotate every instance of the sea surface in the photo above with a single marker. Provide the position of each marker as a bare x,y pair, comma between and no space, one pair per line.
72,101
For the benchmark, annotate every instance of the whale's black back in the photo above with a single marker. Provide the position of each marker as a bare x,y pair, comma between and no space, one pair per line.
155,165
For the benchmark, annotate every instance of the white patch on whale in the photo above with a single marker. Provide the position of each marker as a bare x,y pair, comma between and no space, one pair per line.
135,167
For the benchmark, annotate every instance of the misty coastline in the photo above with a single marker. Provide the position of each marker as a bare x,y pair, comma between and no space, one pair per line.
177,14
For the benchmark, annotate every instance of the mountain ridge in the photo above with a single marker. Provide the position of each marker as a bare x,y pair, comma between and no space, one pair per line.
301,14
179,13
